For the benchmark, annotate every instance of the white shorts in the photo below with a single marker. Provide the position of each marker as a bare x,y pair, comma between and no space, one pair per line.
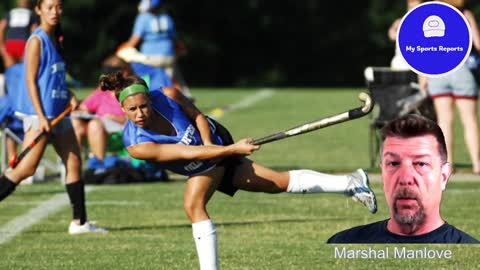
459,84
31,121
110,125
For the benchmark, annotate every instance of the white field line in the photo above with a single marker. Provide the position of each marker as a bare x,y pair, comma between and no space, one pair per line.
25,221
242,104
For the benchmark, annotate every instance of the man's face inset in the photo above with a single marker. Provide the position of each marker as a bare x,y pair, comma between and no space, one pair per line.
414,177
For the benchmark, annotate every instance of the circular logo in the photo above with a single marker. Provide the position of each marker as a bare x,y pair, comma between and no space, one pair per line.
434,38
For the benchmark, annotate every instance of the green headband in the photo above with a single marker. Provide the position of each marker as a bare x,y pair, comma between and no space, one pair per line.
131,90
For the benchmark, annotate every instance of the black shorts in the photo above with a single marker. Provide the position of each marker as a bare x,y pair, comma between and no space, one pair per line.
230,163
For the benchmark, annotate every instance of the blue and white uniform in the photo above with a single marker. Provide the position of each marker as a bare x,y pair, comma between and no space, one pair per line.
157,33
51,81
185,133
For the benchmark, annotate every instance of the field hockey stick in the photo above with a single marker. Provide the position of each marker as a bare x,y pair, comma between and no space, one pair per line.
325,122
16,159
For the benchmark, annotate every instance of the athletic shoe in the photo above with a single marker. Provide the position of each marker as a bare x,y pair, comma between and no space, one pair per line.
359,189
87,227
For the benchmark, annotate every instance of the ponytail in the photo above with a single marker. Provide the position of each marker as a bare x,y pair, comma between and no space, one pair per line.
59,38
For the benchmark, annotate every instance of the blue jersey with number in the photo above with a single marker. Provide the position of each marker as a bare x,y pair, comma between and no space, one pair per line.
157,33
186,133
51,83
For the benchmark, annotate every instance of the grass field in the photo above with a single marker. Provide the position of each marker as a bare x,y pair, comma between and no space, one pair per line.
148,229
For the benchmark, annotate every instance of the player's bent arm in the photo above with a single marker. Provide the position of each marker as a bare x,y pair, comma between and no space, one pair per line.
192,112
204,128
3,27
33,51
73,100
171,152
392,31
133,41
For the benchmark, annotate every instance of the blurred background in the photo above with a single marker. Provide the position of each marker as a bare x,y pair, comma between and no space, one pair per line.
245,43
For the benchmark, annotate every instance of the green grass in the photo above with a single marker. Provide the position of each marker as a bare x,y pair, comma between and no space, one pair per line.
255,231
149,230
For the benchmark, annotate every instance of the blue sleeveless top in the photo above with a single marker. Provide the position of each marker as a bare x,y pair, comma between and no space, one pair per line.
186,133
51,80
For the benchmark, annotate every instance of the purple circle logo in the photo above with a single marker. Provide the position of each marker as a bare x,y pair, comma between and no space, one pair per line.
434,38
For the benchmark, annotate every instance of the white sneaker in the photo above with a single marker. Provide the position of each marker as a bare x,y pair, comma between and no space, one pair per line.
87,227
359,189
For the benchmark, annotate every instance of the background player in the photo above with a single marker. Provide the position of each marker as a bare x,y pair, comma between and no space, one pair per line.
44,95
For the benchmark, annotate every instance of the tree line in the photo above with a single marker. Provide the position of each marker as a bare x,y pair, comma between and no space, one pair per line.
245,43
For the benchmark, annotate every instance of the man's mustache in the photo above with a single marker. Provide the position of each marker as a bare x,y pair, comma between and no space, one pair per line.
406,193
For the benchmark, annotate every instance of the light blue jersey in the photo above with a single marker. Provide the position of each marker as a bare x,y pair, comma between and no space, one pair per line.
51,82
157,33
12,84
158,77
186,133
14,79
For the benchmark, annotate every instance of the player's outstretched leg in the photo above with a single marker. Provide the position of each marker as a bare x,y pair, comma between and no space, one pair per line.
355,185
251,176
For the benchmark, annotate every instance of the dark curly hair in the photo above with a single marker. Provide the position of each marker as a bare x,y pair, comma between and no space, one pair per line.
116,82
413,125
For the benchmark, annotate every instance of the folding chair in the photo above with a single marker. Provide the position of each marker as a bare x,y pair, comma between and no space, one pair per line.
2,84
9,130
396,93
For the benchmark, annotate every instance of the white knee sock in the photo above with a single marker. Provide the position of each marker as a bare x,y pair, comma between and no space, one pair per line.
205,237
308,181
